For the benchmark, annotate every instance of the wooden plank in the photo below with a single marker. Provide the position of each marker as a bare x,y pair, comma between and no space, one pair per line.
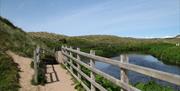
35,68
94,57
79,80
123,72
71,59
87,77
108,77
66,58
172,78
38,55
169,77
92,64
79,67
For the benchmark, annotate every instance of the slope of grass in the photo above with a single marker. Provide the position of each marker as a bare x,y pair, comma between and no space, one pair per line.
9,76
14,39
47,35
51,40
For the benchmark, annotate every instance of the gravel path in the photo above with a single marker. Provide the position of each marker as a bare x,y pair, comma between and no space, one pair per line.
58,79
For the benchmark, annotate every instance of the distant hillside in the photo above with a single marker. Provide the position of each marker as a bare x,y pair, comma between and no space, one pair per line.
109,45
46,35
55,39
178,36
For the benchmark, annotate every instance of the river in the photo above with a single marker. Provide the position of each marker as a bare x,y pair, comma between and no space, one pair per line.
141,60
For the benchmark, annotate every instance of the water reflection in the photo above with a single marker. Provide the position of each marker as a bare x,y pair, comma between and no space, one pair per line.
142,60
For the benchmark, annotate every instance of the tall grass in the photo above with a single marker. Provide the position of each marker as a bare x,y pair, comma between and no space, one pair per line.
9,77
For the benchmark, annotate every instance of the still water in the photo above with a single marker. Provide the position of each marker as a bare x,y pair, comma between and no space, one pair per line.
141,60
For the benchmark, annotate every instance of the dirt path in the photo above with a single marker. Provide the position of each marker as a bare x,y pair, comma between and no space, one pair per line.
58,78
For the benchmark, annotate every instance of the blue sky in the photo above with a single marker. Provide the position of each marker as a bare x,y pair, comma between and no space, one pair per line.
128,18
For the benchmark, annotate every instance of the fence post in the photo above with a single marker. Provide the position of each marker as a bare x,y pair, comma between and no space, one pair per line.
38,55
79,67
66,58
92,64
124,73
35,67
71,60
63,57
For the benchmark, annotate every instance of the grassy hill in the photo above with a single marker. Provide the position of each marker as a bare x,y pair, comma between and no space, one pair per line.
51,40
109,45
46,35
14,39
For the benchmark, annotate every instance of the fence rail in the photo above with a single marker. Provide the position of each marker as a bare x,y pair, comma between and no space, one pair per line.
122,64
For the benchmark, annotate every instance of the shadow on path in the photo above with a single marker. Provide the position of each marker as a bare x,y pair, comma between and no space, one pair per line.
50,72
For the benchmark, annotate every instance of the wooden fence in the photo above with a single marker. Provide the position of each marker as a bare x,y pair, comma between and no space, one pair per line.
68,54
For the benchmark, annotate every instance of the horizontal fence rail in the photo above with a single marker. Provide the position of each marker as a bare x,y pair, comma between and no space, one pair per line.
122,64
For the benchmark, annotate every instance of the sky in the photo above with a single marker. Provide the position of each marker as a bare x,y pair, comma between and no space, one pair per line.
126,18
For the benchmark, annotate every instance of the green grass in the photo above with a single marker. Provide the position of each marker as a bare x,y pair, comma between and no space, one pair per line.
9,77
152,86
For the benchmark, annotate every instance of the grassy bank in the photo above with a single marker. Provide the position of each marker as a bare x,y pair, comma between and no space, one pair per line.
9,77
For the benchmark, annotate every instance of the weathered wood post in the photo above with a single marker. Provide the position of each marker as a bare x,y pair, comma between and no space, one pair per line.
63,57
79,67
66,58
38,56
71,60
35,67
36,59
124,73
92,64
